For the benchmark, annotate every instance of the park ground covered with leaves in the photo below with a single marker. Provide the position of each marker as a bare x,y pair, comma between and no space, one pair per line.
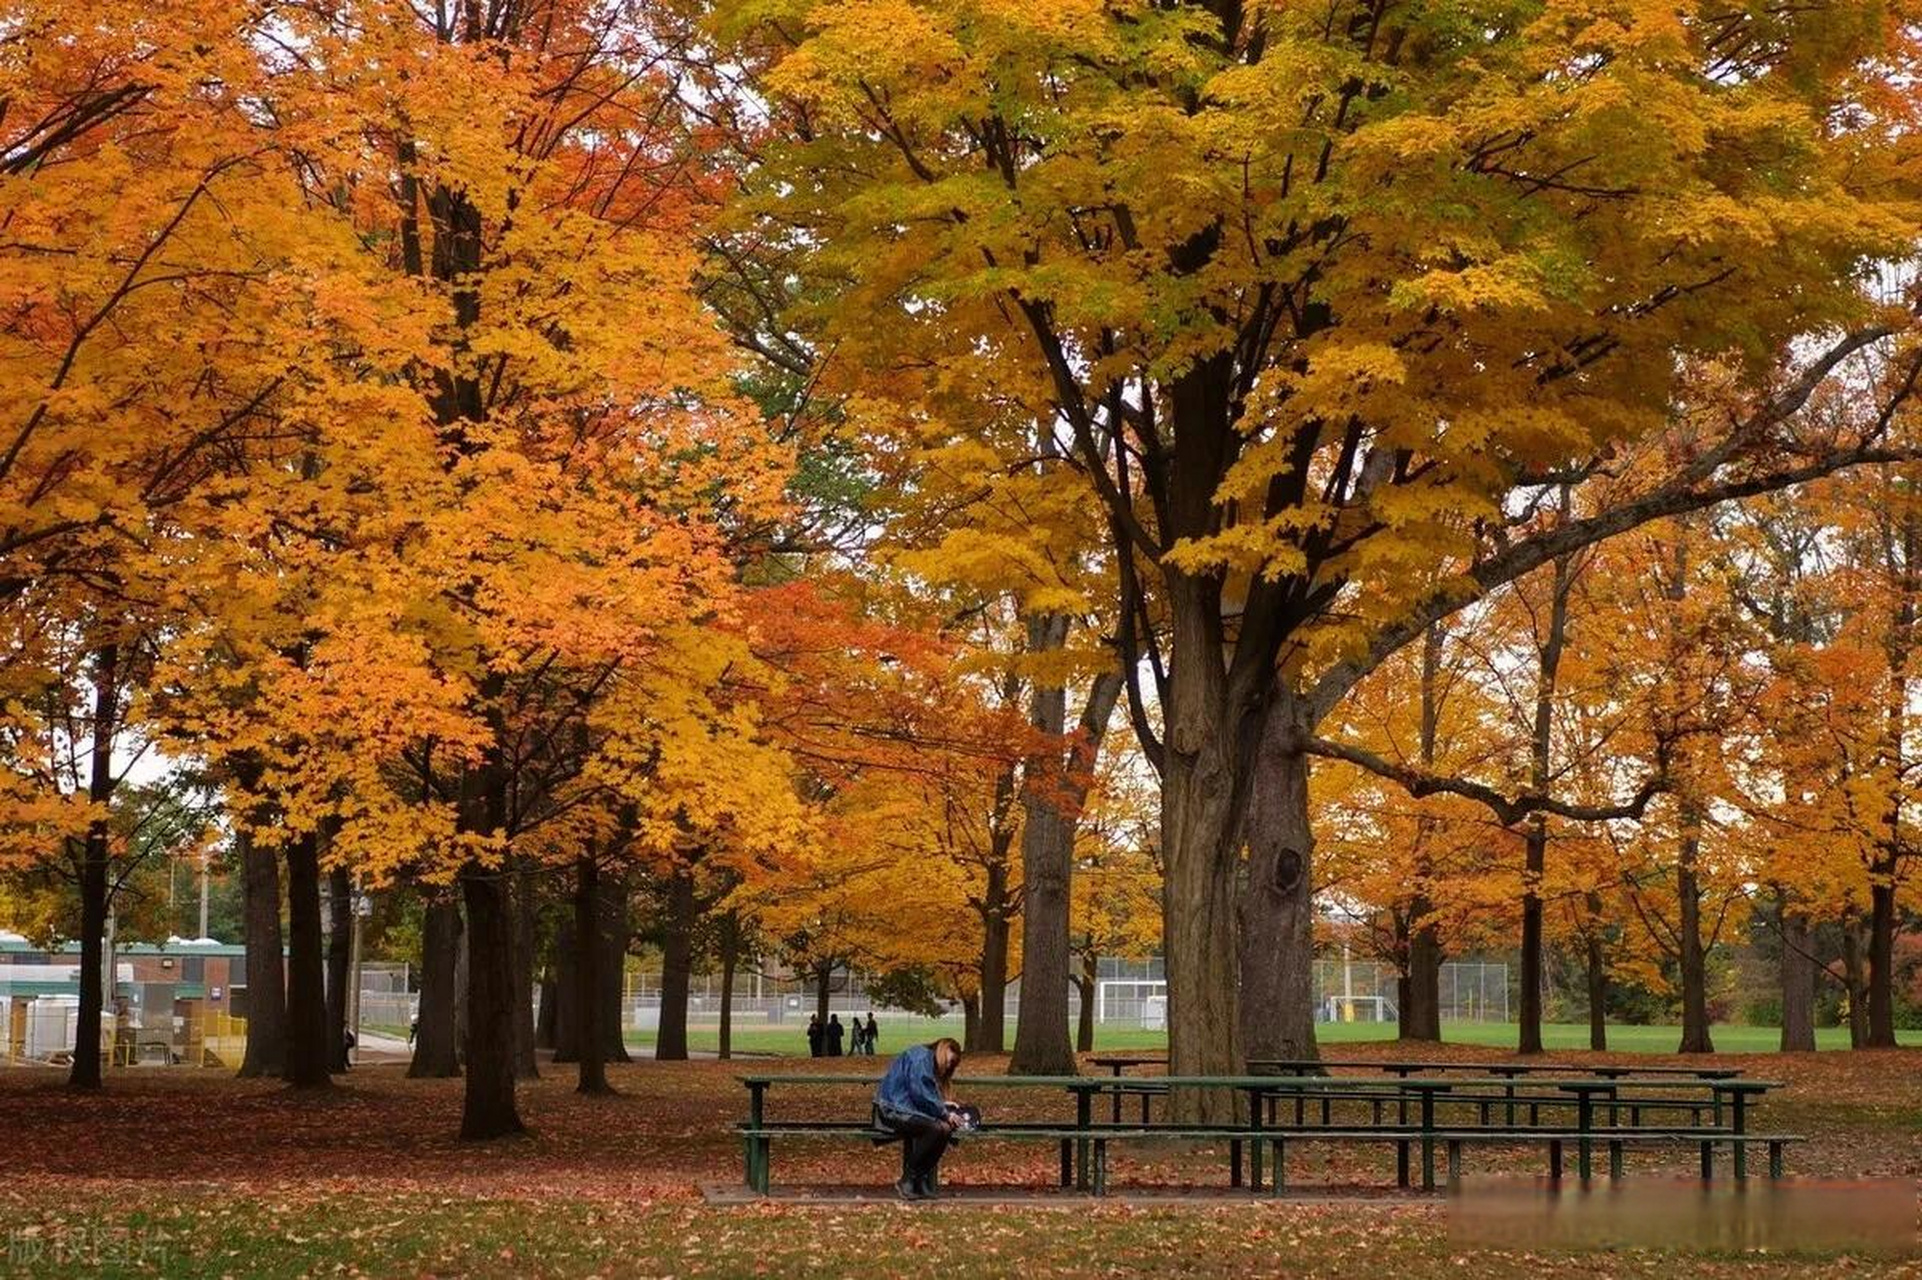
197,1174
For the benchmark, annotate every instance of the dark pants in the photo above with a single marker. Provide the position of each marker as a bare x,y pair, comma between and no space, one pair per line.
923,1142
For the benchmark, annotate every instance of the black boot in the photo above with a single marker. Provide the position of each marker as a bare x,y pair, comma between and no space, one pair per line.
924,1186
909,1189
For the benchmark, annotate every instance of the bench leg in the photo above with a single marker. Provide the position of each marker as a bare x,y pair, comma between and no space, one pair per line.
1067,1162
1100,1167
1775,1159
1255,1154
1708,1161
1740,1156
1555,1161
1615,1160
1428,1162
1584,1166
1082,1164
1234,1162
1277,1179
1401,1165
1454,1161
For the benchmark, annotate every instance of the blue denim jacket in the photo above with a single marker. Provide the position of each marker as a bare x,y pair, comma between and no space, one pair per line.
909,1087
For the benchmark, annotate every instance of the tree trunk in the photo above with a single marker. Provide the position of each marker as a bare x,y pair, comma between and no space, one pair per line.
1047,864
436,1038
823,974
587,1006
96,851
1419,1008
525,1065
545,1023
1421,1012
266,978
1881,977
971,1022
730,962
1856,982
677,964
86,1070
307,1050
1086,983
995,928
1798,978
1597,973
488,1107
1548,663
612,939
1277,906
1694,956
340,929
1535,859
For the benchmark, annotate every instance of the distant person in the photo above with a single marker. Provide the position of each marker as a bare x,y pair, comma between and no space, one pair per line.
912,1101
873,1035
413,1029
836,1032
815,1036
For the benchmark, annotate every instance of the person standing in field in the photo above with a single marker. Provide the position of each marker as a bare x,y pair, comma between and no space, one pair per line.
814,1035
873,1035
835,1033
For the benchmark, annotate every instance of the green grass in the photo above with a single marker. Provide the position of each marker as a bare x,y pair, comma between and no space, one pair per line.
790,1037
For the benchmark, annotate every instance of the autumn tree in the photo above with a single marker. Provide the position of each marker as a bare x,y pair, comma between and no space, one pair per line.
1307,301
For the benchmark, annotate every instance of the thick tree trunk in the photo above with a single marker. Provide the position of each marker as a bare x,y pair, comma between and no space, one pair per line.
730,964
96,889
436,1034
1881,977
1277,1011
340,932
612,939
995,928
1047,862
1087,985
677,964
587,1007
1798,978
488,1107
971,1022
525,1065
307,1050
266,977
1421,1010
1694,955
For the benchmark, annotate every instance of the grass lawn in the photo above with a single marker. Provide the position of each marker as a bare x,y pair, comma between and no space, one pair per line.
790,1037
191,1173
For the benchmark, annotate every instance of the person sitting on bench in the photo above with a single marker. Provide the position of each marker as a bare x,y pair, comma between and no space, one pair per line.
912,1103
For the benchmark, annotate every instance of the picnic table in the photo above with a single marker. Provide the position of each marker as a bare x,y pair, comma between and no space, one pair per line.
1417,1104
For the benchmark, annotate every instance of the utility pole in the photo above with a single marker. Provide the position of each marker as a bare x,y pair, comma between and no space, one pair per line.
206,876
362,907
